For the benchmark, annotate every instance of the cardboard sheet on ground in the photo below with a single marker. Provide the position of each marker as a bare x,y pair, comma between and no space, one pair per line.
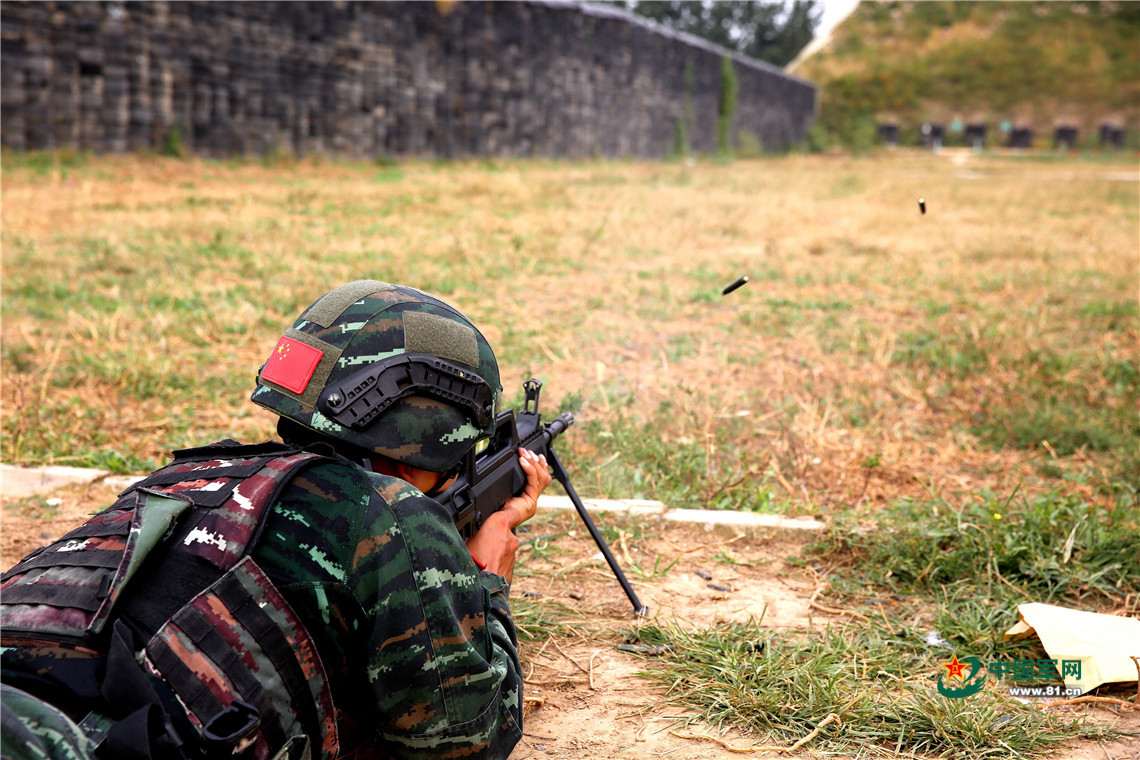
1105,644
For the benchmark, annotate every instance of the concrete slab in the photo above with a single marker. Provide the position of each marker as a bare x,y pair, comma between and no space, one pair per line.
120,483
804,528
750,523
21,482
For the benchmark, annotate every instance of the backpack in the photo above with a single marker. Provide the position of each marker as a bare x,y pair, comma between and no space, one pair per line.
156,601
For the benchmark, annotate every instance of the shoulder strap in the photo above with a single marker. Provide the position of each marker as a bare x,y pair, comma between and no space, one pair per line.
207,475
210,540
235,495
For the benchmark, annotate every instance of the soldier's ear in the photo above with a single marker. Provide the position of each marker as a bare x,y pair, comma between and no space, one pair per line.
421,479
383,465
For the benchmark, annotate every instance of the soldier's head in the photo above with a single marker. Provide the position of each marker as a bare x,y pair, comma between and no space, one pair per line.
383,371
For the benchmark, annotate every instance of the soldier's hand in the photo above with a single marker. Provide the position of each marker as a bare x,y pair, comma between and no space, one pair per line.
494,544
523,507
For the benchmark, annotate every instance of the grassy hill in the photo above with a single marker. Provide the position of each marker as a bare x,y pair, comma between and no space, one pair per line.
1032,65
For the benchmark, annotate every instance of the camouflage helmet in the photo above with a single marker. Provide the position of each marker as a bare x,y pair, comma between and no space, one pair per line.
388,369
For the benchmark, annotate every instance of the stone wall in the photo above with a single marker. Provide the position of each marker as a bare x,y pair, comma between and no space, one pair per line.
367,79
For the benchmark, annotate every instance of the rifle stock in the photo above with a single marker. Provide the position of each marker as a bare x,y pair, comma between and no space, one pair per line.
493,474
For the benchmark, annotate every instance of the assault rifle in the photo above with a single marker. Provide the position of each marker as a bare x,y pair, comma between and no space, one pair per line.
492,475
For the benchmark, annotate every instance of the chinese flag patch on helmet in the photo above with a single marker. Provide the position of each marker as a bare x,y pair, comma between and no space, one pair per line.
292,364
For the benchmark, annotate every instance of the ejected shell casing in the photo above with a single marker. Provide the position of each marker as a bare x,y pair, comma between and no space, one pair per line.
734,285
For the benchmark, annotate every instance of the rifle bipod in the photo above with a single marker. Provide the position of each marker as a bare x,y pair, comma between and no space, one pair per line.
562,477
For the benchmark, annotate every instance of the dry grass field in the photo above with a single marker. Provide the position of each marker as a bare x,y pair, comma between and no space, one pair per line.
883,367
876,352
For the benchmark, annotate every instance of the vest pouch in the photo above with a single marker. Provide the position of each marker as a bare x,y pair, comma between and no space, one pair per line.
64,592
240,641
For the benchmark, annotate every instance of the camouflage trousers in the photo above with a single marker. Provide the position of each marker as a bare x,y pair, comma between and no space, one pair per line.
31,729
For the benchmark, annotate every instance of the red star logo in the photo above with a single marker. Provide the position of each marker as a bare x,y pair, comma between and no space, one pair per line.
954,668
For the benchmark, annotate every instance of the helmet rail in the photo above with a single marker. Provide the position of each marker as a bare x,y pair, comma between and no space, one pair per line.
356,401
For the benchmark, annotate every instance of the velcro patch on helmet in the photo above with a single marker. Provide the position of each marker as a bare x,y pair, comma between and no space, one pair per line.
292,364
446,338
330,306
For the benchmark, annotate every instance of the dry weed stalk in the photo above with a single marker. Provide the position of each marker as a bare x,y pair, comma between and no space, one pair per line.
831,718
815,605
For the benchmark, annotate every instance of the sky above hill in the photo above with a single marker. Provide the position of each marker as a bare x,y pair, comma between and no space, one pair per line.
833,13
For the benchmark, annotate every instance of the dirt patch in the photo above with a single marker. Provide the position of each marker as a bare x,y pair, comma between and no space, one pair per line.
613,714
29,523
585,698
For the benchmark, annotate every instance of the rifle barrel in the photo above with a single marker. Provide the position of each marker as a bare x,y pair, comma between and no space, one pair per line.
557,427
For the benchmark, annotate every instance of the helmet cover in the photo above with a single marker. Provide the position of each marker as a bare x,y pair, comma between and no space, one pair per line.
369,324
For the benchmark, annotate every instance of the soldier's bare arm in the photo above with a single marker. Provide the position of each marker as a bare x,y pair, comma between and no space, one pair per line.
494,545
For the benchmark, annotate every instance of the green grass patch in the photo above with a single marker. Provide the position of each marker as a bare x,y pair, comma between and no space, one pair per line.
933,580
1068,402
780,687
656,458
539,618
1076,389
1047,548
936,352
959,571
1115,316
61,163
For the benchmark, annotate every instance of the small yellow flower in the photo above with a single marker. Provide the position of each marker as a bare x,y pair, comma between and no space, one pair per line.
997,515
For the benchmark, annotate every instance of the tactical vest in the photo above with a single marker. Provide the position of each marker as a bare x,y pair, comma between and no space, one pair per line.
168,569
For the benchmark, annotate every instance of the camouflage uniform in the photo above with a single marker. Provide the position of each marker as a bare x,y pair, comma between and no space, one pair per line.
417,642
31,729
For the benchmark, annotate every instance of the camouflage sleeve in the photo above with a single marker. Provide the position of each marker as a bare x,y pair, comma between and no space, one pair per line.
31,729
443,661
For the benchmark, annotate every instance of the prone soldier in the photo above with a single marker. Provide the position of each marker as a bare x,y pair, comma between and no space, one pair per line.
307,598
